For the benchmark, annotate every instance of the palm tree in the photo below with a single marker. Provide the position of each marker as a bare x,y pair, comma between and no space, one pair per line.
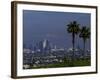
84,34
73,28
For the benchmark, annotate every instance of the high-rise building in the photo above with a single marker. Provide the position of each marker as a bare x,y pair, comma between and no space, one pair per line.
46,46
40,46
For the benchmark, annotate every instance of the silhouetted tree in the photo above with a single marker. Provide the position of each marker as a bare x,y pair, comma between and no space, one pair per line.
73,28
84,34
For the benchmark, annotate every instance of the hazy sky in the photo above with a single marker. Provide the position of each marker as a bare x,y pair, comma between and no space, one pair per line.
40,25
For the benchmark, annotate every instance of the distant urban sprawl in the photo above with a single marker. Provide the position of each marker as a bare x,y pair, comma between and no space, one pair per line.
44,54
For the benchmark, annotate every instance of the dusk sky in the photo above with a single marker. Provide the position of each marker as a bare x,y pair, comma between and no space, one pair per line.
40,25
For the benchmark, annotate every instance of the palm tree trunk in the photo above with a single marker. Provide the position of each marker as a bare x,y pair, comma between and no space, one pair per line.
84,48
73,43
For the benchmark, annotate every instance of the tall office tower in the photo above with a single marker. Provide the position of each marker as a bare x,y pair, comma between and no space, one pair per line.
46,46
40,46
